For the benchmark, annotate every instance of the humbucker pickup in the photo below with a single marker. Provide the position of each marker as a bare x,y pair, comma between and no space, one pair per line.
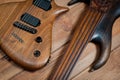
31,20
44,4
25,27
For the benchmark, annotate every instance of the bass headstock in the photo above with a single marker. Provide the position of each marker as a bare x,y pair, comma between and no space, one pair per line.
102,5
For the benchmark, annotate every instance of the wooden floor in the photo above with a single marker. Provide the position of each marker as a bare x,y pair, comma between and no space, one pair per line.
62,31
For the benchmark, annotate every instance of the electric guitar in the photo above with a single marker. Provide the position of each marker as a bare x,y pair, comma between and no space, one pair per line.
94,25
26,37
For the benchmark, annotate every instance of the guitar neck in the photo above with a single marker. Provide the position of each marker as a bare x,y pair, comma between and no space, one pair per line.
82,35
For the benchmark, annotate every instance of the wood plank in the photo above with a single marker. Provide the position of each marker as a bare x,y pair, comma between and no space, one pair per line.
17,70
92,55
6,70
86,59
64,25
61,33
10,1
111,71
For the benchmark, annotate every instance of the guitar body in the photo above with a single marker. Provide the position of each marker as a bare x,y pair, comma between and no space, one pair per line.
26,38
95,25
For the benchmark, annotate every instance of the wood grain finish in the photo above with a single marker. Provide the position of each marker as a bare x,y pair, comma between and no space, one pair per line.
86,60
111,71
62,32
95,24
23,52
81,37
10,1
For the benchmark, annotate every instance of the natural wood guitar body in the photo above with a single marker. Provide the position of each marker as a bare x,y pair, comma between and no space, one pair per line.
28,43
95,26
62,32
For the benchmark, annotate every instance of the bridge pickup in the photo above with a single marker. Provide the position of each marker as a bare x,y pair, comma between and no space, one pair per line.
44,4
25,27
31,20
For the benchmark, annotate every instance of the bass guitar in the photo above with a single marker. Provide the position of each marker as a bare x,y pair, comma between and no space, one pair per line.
26,37
94,25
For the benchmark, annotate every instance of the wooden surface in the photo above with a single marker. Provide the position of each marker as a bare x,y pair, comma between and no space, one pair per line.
62,32
10,1
92,18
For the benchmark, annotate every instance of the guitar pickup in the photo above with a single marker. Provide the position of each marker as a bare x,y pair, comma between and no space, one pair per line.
31,20
25,27
44,4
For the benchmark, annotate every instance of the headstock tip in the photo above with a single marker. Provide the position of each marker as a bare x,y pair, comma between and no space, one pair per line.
76,1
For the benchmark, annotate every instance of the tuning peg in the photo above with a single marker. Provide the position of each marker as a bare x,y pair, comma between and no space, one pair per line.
76,1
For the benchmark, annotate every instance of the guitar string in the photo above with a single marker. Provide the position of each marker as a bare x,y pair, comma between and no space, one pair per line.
30,11
75,57
83,22
77,48
75,44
